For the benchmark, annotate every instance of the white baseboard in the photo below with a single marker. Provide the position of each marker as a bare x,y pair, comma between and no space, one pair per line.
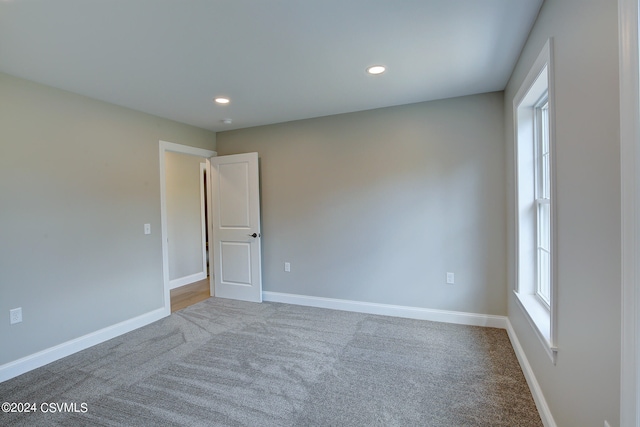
390,310
182,281
536,391
44,357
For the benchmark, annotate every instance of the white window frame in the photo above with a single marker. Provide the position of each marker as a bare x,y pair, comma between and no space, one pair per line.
540,312
629,54
542,197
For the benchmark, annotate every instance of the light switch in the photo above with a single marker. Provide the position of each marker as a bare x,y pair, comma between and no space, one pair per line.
147,229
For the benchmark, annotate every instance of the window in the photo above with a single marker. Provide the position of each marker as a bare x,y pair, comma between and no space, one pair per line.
543,200
534,142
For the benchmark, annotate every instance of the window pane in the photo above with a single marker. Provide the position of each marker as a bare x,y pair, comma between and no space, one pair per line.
544,110
544,221
544,140
542,170
544,275
543,250
546,193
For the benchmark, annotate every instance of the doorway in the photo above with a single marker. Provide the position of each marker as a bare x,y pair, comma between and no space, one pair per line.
186,258
189,294
233,181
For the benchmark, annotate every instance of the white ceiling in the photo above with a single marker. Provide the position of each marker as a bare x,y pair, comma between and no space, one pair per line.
278,60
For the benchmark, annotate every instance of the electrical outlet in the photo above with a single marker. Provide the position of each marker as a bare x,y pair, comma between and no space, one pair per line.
15,315
287,267
450,278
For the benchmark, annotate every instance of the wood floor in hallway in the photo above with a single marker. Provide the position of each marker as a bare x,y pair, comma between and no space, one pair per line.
187,295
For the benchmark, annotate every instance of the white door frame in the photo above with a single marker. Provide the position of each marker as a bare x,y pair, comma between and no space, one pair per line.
204,198
182,149
630,209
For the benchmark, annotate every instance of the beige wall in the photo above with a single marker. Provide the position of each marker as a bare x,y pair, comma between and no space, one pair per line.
377,206
583,388
184,219
78,179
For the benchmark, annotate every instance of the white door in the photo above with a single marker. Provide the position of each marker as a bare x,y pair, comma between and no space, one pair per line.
236,227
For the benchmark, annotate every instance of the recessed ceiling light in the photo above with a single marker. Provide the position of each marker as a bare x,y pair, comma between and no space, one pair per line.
222,100
376,69
227,121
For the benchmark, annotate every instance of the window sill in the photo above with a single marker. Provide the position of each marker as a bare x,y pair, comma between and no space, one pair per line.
540,320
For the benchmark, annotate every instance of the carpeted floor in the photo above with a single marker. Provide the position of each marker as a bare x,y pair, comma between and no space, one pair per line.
229,363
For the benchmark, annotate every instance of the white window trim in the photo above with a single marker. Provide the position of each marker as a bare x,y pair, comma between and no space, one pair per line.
541,318
628,16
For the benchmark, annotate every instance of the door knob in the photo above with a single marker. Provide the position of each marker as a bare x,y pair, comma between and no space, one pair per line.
254,235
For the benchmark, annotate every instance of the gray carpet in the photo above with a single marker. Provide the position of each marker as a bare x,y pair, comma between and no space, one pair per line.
229,363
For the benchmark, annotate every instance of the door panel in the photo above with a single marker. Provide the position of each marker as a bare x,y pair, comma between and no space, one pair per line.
234,190
235,265
236,227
